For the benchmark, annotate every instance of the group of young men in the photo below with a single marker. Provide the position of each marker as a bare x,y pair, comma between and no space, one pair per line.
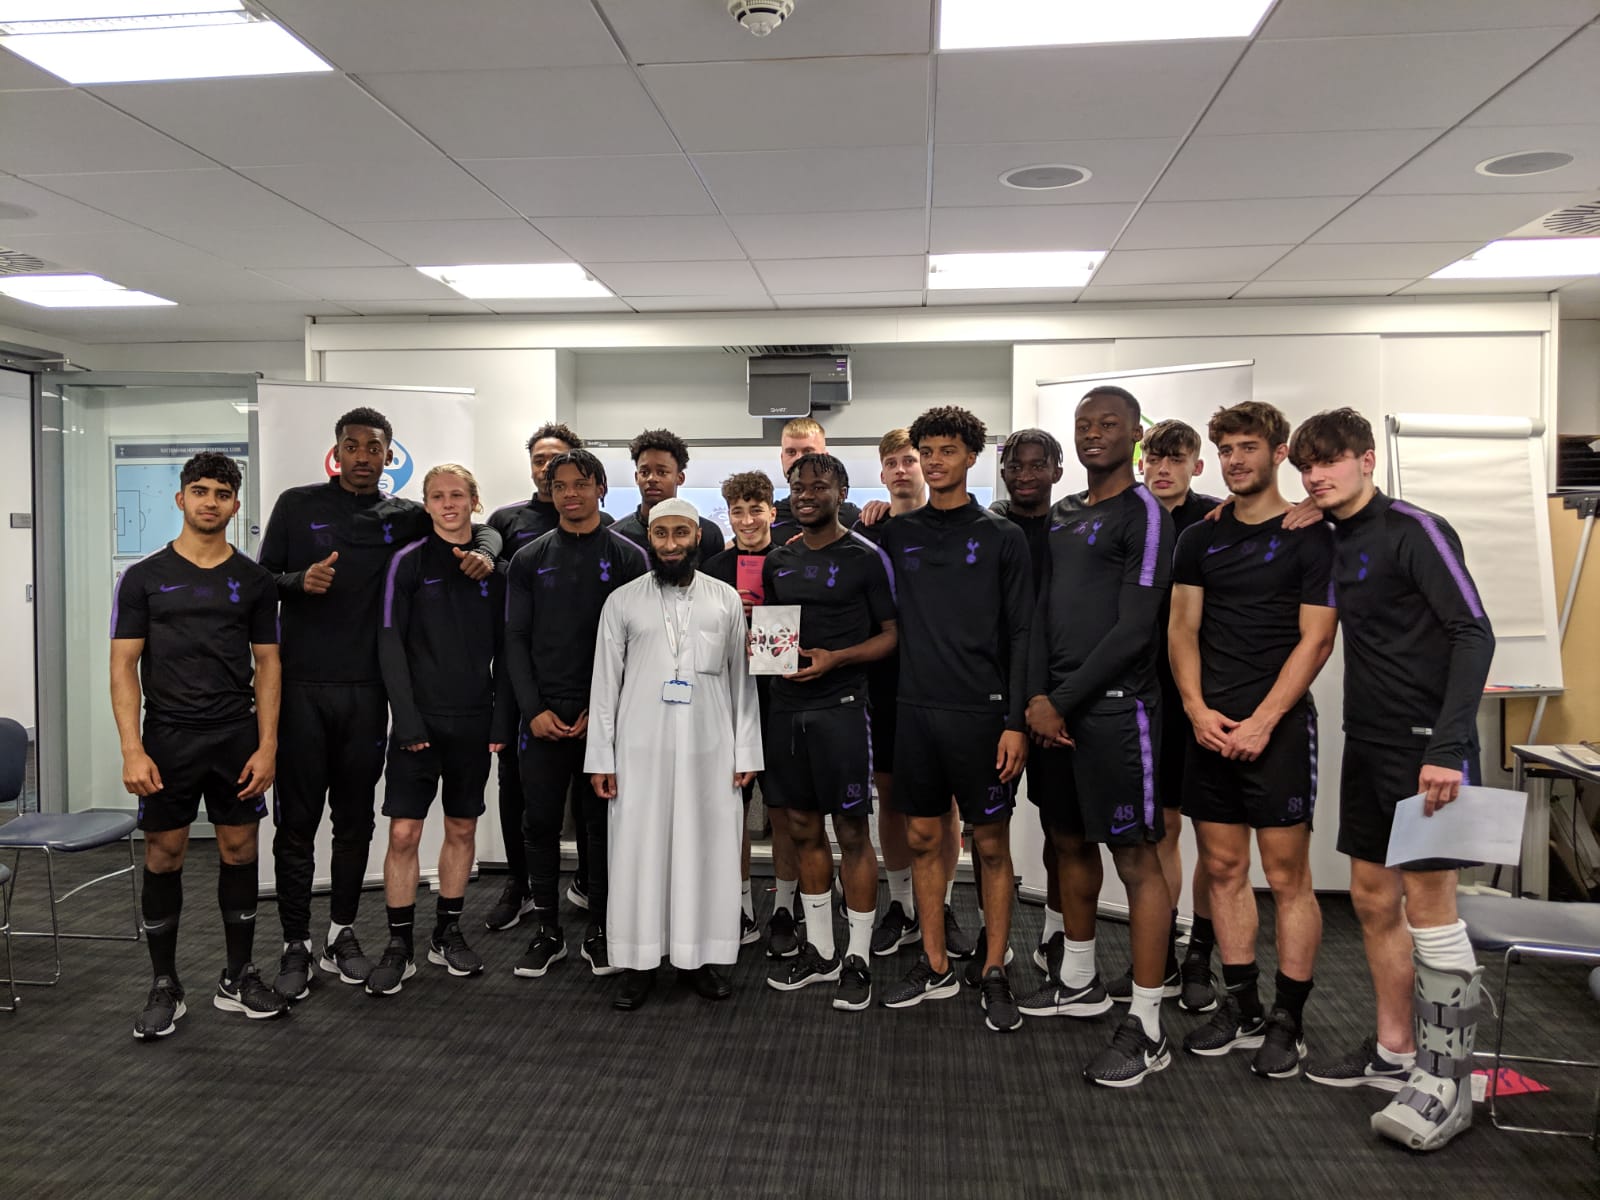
946,650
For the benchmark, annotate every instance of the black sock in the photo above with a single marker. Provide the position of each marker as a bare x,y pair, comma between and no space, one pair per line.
1202,937
1241,984
160,905
447,912
237,891
1291,994
401,922
1172,946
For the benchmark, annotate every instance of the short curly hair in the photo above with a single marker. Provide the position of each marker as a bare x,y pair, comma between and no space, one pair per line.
824,464
660,439
748,486
1329,436
554,429
208,464
950,421
366,418
1042,438
1252,416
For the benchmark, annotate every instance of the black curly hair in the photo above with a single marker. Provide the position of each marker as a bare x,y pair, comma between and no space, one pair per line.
554,429
208,464
825,465
366,418
950,421
660,439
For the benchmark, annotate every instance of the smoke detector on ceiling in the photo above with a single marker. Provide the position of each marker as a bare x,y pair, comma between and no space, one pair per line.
1524,162
760,17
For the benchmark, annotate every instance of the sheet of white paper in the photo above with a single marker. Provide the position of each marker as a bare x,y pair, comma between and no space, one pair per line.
1482,825
774,639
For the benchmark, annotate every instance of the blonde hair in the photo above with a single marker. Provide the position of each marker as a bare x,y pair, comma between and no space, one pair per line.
893,442
462,473
802,427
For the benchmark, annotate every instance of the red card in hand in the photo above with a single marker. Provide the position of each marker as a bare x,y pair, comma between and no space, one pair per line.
748,577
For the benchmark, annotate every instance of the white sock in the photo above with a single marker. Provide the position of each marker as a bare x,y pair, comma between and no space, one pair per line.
1394,1057
334,931
949,890
819,922
1053,926
1444,947
785,896
1077,965
1146,1007
900,890
860,934
745,902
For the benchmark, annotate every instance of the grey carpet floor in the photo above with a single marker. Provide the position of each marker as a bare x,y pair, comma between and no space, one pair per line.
498,1086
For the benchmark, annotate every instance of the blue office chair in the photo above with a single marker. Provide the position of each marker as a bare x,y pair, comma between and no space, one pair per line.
54,834
5,935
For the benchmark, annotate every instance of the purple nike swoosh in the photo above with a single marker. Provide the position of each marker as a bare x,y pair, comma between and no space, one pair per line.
850,804
324,525
547,570
1216,549
989,812
527,533
176,587
439,580
911,549
1121,829
790,571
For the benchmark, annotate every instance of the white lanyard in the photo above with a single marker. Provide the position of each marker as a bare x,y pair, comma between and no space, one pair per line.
677,637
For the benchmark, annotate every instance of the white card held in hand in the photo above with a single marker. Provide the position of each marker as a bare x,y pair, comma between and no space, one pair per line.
1482,825
774,639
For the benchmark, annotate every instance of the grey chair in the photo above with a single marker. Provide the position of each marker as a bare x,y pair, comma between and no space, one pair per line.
55,834
1531,929
5,936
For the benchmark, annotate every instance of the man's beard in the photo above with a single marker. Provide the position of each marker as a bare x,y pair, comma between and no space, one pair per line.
1258,482
675,574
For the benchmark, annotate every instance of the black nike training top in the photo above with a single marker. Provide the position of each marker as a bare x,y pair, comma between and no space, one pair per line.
556,588
1417,642
440,641
333,637
965,593
519,524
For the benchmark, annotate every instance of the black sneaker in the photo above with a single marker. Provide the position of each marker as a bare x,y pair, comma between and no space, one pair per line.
895,930
806,967
1121,989
1041,953
956,942
162,1008
343,957
1055,999
545,948
248,995
749,931
972,974
393,969
595,954
1363,1066
1282,1048
450,951
578,895
1197,988
783,939
921,983
999,1007
294,971
1228,1029
508,910
1131,1056
854,992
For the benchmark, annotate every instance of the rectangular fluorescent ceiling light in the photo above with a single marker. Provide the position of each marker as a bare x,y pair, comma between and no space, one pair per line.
1527,258
75,291
520,281
987,24
1035,269
137,41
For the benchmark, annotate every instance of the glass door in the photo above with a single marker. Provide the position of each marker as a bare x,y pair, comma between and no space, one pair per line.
112,446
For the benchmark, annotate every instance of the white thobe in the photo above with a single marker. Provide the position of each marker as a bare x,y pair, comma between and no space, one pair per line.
676,824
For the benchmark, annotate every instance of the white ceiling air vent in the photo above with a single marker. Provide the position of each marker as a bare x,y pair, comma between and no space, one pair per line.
15,262
1524,162
1577,221
757,351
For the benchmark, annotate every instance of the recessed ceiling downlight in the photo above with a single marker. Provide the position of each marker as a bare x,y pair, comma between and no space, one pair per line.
1525,162
1045,177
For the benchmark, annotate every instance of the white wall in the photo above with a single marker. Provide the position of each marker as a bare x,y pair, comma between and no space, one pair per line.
1578,381
275,360
16,549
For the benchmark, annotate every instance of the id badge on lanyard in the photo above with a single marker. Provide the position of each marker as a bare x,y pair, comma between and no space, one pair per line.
677,690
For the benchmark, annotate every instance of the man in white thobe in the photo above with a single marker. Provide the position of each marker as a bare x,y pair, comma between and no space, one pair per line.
674,734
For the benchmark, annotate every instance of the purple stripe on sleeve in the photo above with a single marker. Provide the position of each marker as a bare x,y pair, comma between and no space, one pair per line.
1147,763
884,558
627,541
1457,570
1332,599
388,586
1152,536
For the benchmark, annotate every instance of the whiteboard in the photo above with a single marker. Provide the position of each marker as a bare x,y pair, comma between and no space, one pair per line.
1486,476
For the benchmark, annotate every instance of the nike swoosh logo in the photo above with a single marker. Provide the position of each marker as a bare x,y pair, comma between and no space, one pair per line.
547,570
175,587
527,533
1121,829
438,580
850,804
1217,549
324,525
790,571
989,812
911,549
